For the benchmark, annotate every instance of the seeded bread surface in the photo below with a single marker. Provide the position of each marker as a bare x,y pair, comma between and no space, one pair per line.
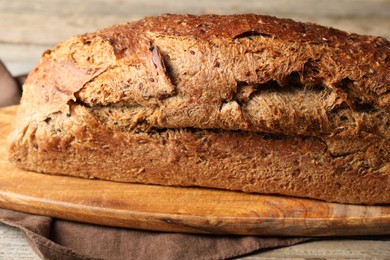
240,102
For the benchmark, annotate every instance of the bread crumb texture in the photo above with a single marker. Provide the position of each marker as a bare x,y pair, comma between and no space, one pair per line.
240,102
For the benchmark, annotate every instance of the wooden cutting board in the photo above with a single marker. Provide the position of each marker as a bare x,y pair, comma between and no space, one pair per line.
192,210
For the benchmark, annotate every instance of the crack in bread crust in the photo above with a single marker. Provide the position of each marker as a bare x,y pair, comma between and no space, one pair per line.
237,160
240,102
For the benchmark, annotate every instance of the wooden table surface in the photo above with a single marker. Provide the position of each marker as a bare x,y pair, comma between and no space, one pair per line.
27,28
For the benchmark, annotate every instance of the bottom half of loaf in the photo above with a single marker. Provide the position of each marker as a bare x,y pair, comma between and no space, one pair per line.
79,145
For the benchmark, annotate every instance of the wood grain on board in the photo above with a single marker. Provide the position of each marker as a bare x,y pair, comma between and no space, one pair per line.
175,209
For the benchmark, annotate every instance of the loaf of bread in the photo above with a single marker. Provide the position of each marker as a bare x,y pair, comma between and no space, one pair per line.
241,102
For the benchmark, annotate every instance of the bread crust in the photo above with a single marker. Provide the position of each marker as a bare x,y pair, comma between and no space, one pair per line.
240,102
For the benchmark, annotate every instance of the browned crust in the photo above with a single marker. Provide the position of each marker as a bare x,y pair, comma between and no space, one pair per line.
246,161
207,27
312,121
362,51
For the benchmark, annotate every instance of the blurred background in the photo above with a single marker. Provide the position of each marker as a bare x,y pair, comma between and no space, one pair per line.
27,27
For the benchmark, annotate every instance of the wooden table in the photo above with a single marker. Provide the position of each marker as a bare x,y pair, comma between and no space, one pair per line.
27,28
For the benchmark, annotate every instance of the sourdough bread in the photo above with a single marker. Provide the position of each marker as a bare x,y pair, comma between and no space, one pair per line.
240,102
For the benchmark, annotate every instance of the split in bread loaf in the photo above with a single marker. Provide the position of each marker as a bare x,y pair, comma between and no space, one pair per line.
239,102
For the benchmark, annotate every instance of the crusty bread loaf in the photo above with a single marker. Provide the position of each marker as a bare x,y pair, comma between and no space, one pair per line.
241,102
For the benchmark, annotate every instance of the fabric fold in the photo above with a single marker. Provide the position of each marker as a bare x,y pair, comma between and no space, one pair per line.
61,239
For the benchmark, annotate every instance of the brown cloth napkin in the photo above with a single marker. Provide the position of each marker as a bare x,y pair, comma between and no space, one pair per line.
10,90
60,239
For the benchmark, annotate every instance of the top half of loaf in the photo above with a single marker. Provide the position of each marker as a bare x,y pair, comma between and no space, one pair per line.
237,72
